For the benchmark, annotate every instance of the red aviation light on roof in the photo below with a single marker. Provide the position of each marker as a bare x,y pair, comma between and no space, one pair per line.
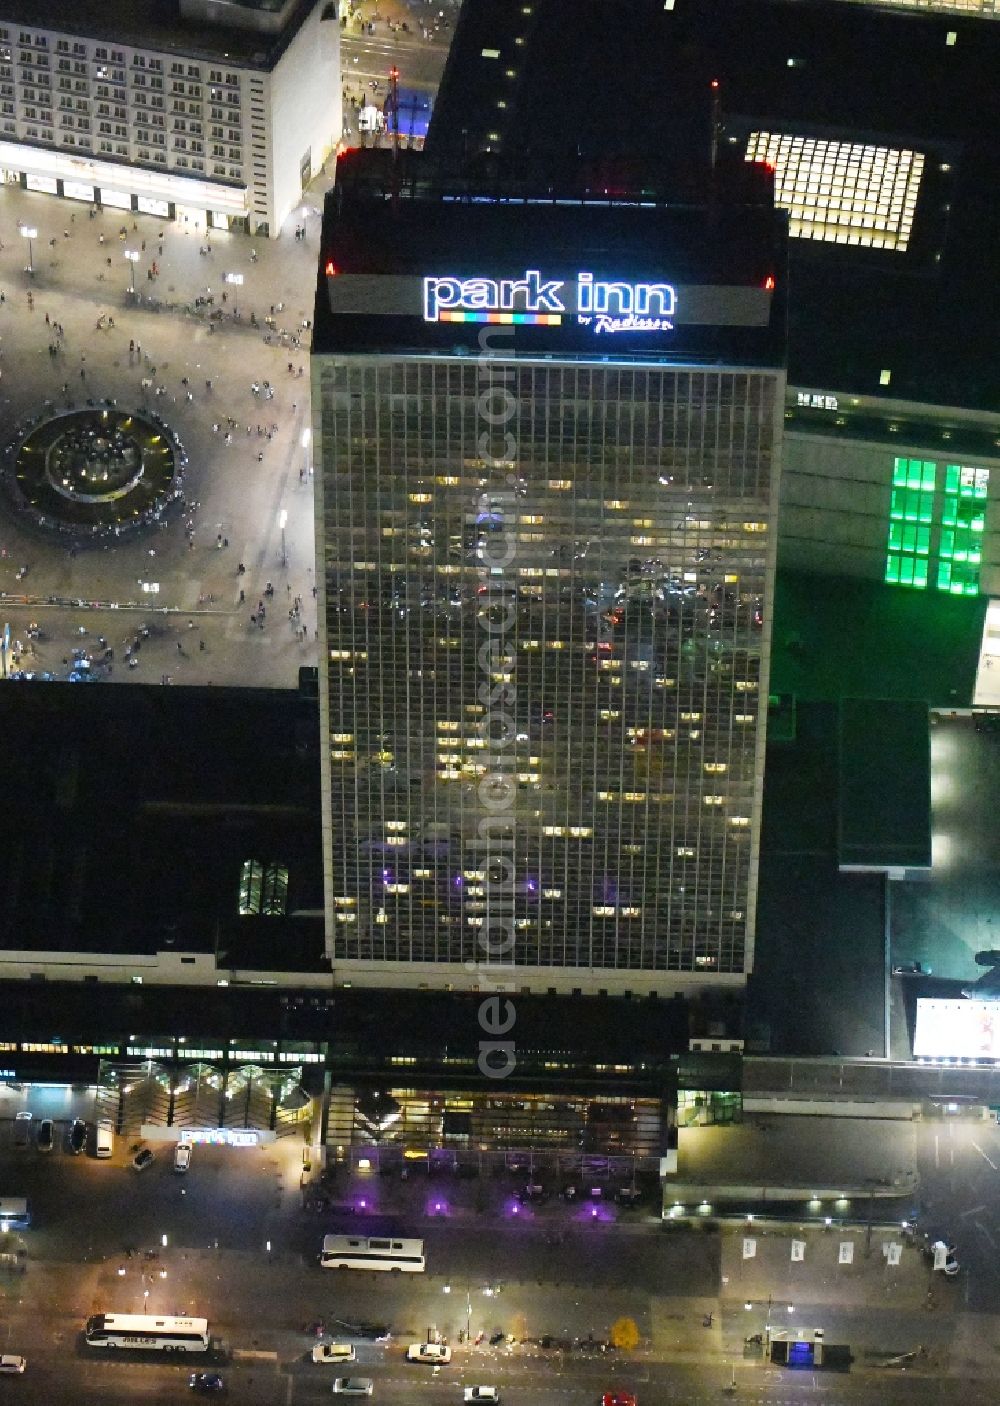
330,270
769,283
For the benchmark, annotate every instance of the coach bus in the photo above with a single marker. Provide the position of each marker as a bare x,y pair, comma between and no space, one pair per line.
370,1252
148,1332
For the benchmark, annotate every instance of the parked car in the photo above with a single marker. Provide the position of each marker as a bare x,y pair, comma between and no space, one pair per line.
353,1386
333,1352
618,1398
46,1135
206,1381
628,1196
144,1158
435,1353
11,1364
182,1156
77,1136
482,1393
22,1128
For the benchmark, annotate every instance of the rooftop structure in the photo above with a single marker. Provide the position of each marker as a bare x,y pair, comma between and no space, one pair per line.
891,180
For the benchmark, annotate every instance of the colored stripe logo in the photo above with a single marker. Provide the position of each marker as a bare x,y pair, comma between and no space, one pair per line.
535,319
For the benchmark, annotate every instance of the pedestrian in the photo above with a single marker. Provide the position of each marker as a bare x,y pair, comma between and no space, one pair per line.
260,457
253,619
218,541
243,596
46,319
180,647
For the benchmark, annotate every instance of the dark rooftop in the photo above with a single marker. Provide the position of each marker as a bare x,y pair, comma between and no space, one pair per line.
129,813
626,83
158,25
720,246
365,1029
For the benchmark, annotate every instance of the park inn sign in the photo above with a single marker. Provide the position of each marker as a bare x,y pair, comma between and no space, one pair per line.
602,305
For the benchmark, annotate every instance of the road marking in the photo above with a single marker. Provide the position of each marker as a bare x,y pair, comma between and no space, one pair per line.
980,1226
937,1150
984,1156
973,1212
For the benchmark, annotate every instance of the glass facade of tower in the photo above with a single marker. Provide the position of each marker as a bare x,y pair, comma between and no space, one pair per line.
596,683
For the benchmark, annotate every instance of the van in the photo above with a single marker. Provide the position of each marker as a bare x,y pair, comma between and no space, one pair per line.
182,1156
105,1141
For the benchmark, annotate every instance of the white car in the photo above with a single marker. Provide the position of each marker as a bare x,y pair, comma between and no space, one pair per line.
435,1353
9,1363
482,1393
333,1352
353,1386
182,1156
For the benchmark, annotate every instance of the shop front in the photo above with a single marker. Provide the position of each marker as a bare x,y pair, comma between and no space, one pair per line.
194,204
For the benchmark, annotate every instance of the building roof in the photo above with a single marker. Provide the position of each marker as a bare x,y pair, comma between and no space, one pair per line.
387,234
909,98
367,1030
797,1157
129,814
159,26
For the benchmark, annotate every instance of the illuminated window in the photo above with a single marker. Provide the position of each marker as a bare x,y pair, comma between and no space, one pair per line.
963,519
988,9
910,515
842,192
263,889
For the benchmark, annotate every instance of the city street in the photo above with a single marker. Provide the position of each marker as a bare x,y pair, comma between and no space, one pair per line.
241,1251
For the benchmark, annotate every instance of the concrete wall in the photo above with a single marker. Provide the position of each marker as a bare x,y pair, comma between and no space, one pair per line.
835,505
305,110
832,1108
835,500
158,968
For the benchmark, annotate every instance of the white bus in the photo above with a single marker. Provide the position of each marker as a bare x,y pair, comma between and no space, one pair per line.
147,1331
15,1213
372,1252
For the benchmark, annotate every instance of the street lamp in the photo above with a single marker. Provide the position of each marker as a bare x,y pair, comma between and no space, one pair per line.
133,258
236,279
282,521
29,232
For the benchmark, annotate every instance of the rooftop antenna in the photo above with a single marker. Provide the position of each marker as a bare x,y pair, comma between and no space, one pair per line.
394,111
715,126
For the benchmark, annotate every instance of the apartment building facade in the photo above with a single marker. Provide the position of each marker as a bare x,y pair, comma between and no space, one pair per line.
217,117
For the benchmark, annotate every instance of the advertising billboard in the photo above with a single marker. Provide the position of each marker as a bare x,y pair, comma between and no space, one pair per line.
958,1029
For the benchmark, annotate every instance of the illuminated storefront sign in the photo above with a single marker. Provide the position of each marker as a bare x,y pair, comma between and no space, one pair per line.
223,1137
603,305
954,1029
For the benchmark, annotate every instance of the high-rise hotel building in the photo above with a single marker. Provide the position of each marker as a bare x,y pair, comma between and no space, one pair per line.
548,441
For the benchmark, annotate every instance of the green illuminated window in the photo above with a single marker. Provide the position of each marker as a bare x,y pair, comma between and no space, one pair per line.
911,513
963,520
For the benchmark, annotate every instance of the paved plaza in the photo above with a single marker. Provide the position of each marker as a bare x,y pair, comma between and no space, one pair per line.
244,483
